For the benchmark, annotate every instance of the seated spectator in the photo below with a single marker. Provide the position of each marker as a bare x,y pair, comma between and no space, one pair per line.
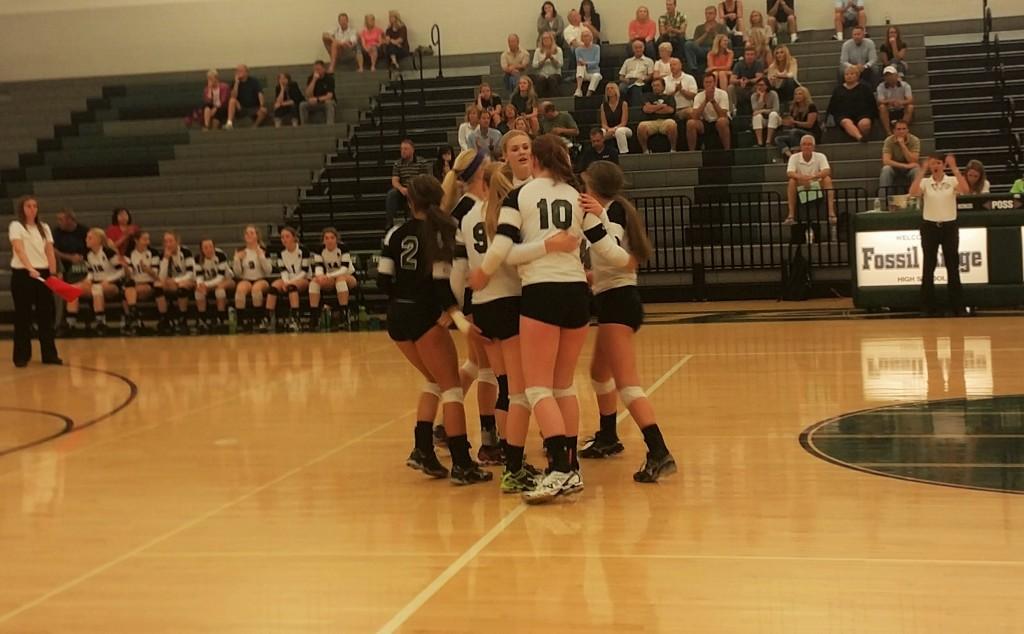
974,174
558,123
645,29
759,37
215,101
486,139
287,97
683,88
720,61
319,95
859,52
849,13
489,103
526,102
403,171
704,36
659,113
672,28
550,22
900,155
636,71
801,119
710,106
661,65
730,14
809,174
745,73
522,124
764,106
782,74
598,150
1018,186
246,99
547,67
443,162
396,40
341,41
893,52
371,38
852,106
590,19
895,99
470,125
509,114
573,32
588,65
615,118
781,11
69,245
122,230
514,62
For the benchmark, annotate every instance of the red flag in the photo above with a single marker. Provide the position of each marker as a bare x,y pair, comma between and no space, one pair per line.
67,292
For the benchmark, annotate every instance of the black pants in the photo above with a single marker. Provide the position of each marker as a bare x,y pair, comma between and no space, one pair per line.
946,235
33,302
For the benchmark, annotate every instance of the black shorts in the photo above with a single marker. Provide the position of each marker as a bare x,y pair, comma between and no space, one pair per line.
467,301
620,306
410,321
781,15
498,319
562,304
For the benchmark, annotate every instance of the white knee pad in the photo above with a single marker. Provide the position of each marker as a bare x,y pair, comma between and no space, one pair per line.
631,393
341,287
433,389
200,296
519,400
257,297
487,376
220,293
470,369
96,290
565,392
454,395
535,395
603,388
314,288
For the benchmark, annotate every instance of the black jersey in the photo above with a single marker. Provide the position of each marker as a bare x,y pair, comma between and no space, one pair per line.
213,271
407,276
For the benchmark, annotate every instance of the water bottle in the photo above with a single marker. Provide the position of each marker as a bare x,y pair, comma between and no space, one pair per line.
809,235
232,321
877,204
364,319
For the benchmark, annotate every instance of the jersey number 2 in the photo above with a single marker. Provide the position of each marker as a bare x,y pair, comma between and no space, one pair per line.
560,214
410,247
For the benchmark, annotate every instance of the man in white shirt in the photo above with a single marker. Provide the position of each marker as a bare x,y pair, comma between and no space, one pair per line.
810,177
939,227
573,33
635,73
710,105
681,86
342,40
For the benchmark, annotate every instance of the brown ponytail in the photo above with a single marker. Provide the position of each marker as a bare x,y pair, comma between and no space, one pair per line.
437,239
606,180
552,155
499,179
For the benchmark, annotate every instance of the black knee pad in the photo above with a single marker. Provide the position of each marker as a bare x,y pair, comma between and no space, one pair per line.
128,283
158,291
276,292
184,293
291,288
503,402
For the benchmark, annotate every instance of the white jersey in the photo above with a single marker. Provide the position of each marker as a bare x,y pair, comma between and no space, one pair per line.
144,266
294,265
180,266
608,275
254,265
334,263
213,271
535,212
469,214
104,265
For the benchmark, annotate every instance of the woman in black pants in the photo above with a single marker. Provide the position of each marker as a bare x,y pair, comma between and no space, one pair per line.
33,260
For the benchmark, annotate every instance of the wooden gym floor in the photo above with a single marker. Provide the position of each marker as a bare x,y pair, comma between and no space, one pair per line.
256,484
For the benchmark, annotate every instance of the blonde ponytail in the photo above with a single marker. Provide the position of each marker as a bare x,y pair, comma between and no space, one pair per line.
499,179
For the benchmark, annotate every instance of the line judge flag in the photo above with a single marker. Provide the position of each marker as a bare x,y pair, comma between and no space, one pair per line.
67,292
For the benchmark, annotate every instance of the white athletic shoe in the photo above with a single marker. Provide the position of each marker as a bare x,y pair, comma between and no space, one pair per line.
794,38
578,93
230,125
553,485
838,37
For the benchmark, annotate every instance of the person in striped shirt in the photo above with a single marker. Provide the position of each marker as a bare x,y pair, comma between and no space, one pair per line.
294,272
104,278
141,281
178,279
213,275
332,268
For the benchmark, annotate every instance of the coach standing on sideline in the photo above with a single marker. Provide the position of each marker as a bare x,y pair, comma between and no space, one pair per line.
32,261
939,227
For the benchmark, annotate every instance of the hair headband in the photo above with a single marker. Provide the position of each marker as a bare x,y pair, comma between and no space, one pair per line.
473,166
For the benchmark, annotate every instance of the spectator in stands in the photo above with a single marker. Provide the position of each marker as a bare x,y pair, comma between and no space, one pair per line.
730,14
801,119
849,13
710,106
720,61
558,123
522,124
319,95
782,74
809,173
509,114
396,40
614,116
859,52
782,11
598,150
745,73
764,106
645,29
69,243
900,155
759,37
893,52
443,162
246,98
895,99
341,41
486,139
489,103
287,97
974,174
402,172
122,230
683,88
590,18
588,65
514,62
852,106
1018,186
635,73
662,65
672,28
371,39
526,102
573,32
547,67
704,36
470,125
550,22
216,95
659,111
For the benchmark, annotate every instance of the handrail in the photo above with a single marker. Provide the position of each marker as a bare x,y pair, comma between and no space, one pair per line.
401,97
435,39
380,127
423,97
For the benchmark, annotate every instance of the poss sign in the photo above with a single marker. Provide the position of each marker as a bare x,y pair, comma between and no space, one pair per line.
895,258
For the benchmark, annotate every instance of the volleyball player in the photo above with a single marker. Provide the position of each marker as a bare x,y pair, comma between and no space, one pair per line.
414,271
295,270
177,277
140,283
620,314
252,269
332,268
517,148
106,275
213,276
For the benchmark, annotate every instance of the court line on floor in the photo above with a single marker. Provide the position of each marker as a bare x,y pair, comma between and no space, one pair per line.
479,545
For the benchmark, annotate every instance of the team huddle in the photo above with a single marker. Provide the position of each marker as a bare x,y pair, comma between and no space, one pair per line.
496,251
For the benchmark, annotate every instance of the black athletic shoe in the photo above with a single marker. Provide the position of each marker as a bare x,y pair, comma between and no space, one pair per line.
264,325
440,437
532,470
100,330
182,327
656,467
427,463
597,447
490,456
472,474
164,327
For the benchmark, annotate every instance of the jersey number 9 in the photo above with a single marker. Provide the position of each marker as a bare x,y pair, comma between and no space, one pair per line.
560,214
480,238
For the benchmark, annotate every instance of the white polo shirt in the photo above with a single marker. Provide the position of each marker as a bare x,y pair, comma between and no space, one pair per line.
939,199
573,34
34,240
708,114
817,164
688,83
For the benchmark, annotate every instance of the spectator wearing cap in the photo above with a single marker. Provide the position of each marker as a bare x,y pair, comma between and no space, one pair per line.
859,52
895,99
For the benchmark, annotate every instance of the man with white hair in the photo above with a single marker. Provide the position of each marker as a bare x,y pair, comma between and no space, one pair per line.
810,178
514,62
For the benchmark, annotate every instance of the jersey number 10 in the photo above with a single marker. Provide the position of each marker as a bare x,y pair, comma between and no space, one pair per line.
560,214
